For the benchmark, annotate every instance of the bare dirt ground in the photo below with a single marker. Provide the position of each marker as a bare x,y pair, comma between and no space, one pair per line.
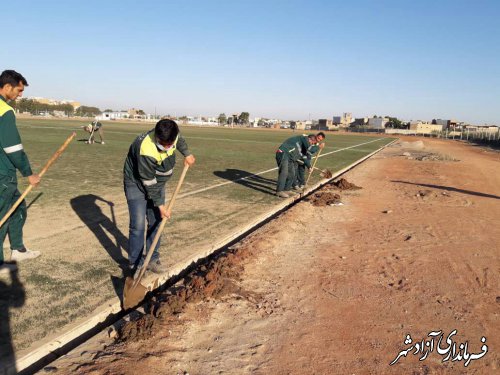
328,289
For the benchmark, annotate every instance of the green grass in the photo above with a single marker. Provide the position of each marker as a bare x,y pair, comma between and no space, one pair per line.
74,275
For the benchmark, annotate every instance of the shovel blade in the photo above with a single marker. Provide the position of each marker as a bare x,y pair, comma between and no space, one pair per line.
326,173
132,296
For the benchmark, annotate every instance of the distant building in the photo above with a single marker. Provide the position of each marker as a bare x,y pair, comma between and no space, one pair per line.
299,125
323,124
342,121
362,121
41,100
377,122
134,113
108,116
425,127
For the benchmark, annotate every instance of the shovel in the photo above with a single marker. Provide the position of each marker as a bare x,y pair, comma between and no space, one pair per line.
134,291
313,165
42,172
325,173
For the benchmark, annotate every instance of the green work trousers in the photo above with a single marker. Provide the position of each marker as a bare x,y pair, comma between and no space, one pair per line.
286,171
14,225
301,175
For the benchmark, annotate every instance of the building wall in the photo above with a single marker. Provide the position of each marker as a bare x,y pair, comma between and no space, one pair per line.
377,122
425,127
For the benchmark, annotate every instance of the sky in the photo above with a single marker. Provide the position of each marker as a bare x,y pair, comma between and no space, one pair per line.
277,59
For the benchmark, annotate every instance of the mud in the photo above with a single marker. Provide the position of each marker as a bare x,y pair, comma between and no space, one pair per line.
323,198
343,184
212,280
326,173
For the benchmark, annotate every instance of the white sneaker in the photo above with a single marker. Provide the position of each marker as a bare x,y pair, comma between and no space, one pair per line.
7,268
19,256
102,143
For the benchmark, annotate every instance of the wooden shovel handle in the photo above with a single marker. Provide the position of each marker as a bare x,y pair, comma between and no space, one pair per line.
160,229
42,172
314,165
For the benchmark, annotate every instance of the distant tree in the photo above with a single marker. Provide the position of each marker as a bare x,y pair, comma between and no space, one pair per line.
183,118
108,110
394,123
233,120
244,118
87,111
34,107
222,119
140,112
434,122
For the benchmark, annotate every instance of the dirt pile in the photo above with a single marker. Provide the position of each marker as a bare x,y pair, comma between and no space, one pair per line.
326,173
215,279
435,157
343,184
324,198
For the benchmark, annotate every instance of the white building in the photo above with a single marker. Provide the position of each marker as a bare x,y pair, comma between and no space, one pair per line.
107,116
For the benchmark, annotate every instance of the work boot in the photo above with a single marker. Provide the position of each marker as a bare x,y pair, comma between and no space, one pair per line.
296,187
23,254
7,268
282,194
155,266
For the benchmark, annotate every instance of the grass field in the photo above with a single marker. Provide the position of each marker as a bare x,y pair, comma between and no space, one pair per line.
78,217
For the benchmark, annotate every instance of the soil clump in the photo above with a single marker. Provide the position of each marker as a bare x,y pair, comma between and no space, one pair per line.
323,198
343,184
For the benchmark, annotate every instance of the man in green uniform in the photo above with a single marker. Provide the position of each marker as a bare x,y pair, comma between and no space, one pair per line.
12,158
293,150
149,165
92,128
300,181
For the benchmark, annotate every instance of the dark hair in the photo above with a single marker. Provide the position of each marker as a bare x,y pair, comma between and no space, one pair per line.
13,78
166,130
313,137
321,134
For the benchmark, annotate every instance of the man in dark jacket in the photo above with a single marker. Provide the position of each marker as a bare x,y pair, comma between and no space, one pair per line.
289,154
148,167
300,181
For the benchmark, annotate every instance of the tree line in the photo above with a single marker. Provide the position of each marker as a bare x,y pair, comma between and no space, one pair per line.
243,118
34,107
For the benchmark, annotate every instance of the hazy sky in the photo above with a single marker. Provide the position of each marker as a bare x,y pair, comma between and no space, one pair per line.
289,59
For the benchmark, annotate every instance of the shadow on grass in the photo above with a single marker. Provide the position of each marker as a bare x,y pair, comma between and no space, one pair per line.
11,295
100,224
249,180
449,188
